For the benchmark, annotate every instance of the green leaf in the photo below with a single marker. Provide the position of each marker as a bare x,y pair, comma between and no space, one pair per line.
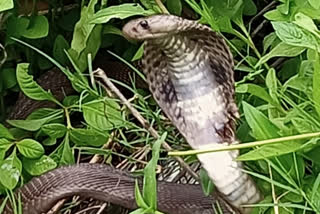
270,41
271,151
282,49
9,77
86,37
10,171
34,125
249,8
87,137
59,47
54,130
276,15
121,11
316,81
16,27
138,196
272,84
255,90
30,148
4,133
103,115
67,157
29,86
262,128
6,5
49,141
4,147
149,180
306,23
139,53
174,7
292,34
38,28
39,166
206,183
314,3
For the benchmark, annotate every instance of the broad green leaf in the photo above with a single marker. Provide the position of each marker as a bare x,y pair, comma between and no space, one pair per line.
316,82
174,7
10,170
276,15
29,86
262,128
91,46
87,137
45,113
303,84
103,115
284,8
54,130
313,154
5,145
228,8
303,126
255,90
4,133
314,3
59,47
292,34
83,30
282,49
67,157
271,150
293,197
149,180
121,11
30,148
249,8
151,5
138,54
272,84
15,27
270,41
306,23
39,166
38,28
34,125
9,77
49,141
110,29
6,5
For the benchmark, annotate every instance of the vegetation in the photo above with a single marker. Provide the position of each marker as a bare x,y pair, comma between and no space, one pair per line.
276,46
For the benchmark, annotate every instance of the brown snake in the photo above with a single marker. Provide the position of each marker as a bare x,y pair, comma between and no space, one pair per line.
189,69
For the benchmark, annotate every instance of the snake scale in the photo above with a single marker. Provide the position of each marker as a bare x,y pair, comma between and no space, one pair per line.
189,69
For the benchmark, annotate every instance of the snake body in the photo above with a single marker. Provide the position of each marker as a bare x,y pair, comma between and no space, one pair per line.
190,73
189,69
105,183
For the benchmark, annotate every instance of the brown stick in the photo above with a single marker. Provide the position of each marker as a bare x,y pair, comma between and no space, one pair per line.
99,73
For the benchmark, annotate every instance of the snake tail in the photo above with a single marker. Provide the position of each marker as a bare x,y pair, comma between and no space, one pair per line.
105,183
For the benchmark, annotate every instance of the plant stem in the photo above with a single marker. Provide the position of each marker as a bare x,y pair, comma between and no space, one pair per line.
162,7
244,145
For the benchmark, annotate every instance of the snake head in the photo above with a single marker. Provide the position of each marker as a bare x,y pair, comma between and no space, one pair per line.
151,27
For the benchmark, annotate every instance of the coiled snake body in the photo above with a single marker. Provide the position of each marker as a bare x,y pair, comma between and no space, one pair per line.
189,70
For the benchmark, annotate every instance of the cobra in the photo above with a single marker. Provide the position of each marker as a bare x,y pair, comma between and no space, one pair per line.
189,69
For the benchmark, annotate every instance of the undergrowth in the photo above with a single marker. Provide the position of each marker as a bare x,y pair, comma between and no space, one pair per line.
275,45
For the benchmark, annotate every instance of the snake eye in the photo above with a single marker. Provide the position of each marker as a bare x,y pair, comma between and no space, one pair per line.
144,24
